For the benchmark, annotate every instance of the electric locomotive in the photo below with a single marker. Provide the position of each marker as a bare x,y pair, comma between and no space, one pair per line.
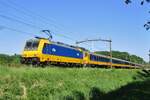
44,51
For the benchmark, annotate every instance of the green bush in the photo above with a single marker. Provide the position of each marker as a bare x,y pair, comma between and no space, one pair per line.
9,60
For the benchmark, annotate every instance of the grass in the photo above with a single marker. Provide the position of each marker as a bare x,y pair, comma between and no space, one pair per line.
55,83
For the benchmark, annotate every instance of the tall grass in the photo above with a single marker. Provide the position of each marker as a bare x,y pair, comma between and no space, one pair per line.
53,83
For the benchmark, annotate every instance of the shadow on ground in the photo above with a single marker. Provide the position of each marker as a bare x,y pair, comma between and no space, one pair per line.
76,96
139,90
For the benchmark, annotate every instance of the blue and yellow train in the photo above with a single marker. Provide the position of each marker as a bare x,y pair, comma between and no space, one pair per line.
41,51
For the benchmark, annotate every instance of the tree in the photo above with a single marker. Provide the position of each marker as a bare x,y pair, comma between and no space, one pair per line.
142,2
7,59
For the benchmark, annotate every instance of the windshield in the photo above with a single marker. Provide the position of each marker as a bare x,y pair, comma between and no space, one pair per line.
32,45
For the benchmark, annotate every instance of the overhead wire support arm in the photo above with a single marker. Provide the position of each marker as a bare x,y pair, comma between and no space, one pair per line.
88,40
103,40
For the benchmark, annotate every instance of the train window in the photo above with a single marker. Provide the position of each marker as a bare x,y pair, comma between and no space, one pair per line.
28,44
99,58
35,45
94,58
32,45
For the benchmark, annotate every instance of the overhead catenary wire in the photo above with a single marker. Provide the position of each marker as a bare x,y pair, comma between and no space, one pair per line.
30,25
25,14
16,30
29,14
8,5
32,14
19,21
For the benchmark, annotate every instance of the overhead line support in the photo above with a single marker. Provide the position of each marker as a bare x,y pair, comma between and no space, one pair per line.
104,40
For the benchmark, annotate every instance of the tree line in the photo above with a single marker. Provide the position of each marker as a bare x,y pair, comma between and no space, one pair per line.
9,59
123,56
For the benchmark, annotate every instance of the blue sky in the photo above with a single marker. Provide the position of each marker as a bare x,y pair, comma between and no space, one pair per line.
76,20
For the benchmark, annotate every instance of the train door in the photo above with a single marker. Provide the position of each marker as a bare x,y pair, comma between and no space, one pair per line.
85,58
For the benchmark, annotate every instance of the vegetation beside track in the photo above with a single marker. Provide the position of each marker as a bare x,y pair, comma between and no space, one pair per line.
54,83
9,59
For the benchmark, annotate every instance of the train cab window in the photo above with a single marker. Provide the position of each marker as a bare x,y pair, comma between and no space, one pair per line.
32,45
28,45
35,45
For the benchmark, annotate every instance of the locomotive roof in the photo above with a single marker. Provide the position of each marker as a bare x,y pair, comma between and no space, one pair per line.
62,44
70,46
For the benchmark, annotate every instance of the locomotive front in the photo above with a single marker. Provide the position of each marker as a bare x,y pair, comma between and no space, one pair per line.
31,52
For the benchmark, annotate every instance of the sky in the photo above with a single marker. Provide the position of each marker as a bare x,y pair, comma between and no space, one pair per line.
74,20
